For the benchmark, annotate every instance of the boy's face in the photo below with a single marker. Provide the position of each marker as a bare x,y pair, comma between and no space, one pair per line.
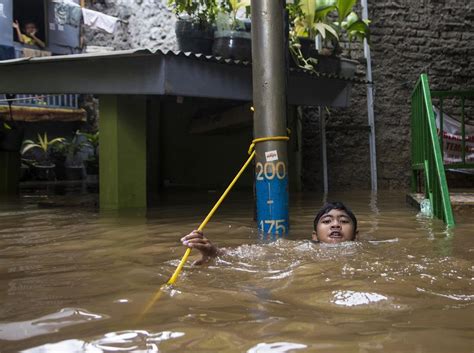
30,28
334,227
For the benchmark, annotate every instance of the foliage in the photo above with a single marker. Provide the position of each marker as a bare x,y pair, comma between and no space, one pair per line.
296,17
75,145
356,28
227,17
331,19
203,11
92,141
313,20
43,143
301,61
58,151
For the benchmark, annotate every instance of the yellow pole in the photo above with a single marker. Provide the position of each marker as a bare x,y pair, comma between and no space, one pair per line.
175,275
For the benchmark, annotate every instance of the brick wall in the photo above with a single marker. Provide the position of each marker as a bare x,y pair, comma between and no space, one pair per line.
408,38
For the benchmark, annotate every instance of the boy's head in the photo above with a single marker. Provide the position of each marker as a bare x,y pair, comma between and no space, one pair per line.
335,223
30,28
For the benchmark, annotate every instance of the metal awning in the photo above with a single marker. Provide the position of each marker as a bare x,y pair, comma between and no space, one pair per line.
147,72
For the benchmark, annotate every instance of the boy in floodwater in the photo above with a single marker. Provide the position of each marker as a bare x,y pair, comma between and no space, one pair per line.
335,223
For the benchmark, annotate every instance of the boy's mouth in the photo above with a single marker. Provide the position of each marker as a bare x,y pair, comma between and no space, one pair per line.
335,235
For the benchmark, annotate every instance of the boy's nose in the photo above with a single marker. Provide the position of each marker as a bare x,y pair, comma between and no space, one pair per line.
336,224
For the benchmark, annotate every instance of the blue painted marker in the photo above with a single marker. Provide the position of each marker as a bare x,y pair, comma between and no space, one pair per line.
271,181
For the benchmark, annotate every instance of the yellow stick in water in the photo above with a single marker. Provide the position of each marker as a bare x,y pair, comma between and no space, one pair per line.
176,273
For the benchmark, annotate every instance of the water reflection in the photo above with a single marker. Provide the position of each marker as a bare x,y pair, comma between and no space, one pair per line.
123,341
276,347
14,331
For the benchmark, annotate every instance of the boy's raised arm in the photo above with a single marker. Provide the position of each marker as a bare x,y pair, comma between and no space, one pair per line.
197,240
16,26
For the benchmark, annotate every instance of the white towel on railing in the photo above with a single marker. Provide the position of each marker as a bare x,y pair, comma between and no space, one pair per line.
452,138
98,20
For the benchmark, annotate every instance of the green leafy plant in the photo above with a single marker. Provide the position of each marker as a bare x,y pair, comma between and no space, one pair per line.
301,18
92,142
58,151
227,18
73,147
313,19
331,19
44,144
203,11
92,163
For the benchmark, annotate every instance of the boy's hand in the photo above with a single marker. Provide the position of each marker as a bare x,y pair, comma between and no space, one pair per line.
16,25
196,240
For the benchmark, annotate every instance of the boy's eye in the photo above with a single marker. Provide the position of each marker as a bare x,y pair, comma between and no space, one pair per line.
345,221
326,221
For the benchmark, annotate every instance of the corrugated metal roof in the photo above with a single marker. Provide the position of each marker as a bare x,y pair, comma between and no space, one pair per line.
122,53
165,53
164,73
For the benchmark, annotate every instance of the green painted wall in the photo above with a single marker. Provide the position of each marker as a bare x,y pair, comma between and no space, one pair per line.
122,152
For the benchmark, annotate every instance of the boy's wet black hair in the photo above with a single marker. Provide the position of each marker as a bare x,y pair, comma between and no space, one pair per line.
329,206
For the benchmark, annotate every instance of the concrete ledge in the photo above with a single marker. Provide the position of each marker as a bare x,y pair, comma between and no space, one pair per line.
461,201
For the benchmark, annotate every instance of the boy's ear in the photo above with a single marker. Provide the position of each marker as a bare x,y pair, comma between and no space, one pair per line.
315,236
356,235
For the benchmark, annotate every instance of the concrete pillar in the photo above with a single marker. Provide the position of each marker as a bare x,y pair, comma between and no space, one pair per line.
123,150
9,173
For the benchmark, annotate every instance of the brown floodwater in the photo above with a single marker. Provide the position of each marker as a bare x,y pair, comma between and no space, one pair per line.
76,280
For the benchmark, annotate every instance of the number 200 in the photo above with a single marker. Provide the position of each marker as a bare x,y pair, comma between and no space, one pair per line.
270,171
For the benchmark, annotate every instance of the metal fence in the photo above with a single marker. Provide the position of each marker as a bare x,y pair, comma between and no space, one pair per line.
426,153
460,97
44,101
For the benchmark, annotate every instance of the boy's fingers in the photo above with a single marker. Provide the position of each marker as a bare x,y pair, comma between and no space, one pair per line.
193,242
192,235
198,241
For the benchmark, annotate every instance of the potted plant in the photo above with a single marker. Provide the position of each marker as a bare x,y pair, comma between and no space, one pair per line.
231,39
11,133
58,155
354,29
194,31
92,163
74,166
300,42
44,167
329,21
